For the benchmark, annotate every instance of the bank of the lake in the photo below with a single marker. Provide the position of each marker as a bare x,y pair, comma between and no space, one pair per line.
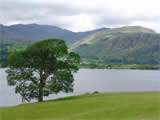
100,106
121,66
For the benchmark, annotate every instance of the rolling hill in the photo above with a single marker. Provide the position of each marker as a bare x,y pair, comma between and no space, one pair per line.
126,45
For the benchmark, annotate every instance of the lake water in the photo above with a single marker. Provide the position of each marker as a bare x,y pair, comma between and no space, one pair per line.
90,80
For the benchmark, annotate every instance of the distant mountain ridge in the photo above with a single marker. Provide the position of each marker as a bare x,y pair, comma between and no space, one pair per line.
35,32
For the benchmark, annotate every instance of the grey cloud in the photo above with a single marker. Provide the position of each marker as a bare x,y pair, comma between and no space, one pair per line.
55,13
42,13
117,20
25,8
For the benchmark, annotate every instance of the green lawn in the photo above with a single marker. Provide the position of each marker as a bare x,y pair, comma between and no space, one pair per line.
99,106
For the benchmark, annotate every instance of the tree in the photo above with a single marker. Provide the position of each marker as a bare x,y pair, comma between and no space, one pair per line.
44,68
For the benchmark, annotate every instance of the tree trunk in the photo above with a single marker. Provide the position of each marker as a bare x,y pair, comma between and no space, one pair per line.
42,84
40,97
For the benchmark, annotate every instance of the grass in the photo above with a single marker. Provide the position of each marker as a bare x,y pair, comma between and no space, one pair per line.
98,106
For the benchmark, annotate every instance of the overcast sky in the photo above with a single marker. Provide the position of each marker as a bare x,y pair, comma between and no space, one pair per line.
81,15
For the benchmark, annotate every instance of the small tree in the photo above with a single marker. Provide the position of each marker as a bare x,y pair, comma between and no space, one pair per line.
43,68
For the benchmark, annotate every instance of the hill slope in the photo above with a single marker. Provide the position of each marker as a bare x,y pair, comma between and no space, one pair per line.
128,45
102,106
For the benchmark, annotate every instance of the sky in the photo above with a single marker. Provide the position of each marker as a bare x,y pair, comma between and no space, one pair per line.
82,15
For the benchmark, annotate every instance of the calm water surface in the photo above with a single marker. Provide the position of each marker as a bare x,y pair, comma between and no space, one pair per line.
90,80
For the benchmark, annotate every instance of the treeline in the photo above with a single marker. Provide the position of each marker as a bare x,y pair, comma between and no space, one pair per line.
120,66
7,48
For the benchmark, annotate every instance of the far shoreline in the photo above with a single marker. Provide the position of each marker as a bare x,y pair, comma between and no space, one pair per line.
121,66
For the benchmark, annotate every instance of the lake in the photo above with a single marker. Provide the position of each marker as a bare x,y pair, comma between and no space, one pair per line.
90,80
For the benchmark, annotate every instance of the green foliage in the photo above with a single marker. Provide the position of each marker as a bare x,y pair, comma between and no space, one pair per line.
43,68
4,53
100,106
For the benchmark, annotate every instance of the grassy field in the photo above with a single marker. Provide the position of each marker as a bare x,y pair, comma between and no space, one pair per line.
98,106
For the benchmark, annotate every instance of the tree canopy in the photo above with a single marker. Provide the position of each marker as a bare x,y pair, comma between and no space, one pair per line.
44,68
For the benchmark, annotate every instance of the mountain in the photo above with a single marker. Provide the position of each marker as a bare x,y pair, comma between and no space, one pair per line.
126,45
35,32
17,37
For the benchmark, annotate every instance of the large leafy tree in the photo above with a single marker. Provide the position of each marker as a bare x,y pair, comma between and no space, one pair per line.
44,68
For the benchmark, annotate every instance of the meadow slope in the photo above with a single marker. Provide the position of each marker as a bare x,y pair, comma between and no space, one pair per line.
99,106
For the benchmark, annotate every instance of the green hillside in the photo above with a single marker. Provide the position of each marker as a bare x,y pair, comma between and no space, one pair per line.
126,45
99,106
